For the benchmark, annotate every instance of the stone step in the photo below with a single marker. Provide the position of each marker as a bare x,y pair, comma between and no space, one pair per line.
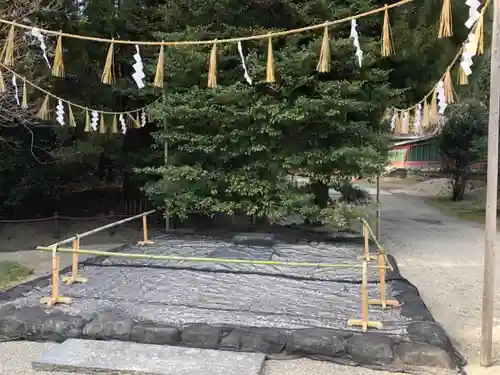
119,357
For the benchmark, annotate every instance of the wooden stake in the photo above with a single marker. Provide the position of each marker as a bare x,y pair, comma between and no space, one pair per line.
364,323
366,254
145,240
55,298
74,278
382,301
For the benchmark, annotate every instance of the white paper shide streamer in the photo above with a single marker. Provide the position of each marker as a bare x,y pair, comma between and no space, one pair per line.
143,119
355,41
468,53
417,125
16,89
95,120
138,66
393,121
473,12
60,113
37,33
405,123
441,97
123,124
243,64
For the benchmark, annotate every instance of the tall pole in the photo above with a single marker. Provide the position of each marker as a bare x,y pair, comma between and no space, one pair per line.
165,129
491,194
377,227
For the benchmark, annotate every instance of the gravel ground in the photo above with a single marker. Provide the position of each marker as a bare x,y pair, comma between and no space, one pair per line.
442,256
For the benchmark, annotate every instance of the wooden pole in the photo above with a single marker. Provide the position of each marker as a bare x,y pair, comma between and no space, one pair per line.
74,278
165,129
491,195
377,228
145,240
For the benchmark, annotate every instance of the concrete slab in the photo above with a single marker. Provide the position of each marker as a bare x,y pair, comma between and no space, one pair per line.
118,357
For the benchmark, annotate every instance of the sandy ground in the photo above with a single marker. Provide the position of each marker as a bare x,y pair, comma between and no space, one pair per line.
442,256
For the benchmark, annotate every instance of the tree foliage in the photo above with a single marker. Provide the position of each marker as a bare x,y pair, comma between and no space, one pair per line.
231,149
462,142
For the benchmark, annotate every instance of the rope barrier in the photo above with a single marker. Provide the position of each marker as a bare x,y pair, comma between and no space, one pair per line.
212,41
61,218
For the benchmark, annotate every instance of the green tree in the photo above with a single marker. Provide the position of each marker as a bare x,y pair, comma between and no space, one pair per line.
233,148
462,142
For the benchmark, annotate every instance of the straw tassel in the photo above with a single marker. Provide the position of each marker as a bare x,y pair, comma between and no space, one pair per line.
44,112
480,35
399,122
114,125
8,52
462,77
102,125
108,76
87,121
270,78
448,88
160,67
212,68
71,117
2,83
324,56
58,67
387,47
137,120
445,22
433,108
426,114
24,103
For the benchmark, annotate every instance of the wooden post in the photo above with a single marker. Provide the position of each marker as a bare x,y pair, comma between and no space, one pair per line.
74,278
383,301
57,232
491,196
366,254
56,297
364,323
145,240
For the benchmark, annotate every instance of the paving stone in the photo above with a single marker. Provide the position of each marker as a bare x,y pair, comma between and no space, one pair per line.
132,358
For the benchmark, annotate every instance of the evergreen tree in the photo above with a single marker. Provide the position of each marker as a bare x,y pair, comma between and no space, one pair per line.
232,148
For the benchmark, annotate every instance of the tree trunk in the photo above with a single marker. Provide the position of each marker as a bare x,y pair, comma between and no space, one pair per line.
321,196
459,183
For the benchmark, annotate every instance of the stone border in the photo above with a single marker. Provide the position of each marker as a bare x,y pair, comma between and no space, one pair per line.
424,344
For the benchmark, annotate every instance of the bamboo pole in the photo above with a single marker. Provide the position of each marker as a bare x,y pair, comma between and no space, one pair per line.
145,240
383,301
104,227
55,298
366,252
75,278
203,260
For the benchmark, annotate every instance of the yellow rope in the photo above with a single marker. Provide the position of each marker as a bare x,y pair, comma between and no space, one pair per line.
35,86
212,41
449,67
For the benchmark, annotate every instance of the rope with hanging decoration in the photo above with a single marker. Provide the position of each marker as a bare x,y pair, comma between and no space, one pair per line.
423,117
95,119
